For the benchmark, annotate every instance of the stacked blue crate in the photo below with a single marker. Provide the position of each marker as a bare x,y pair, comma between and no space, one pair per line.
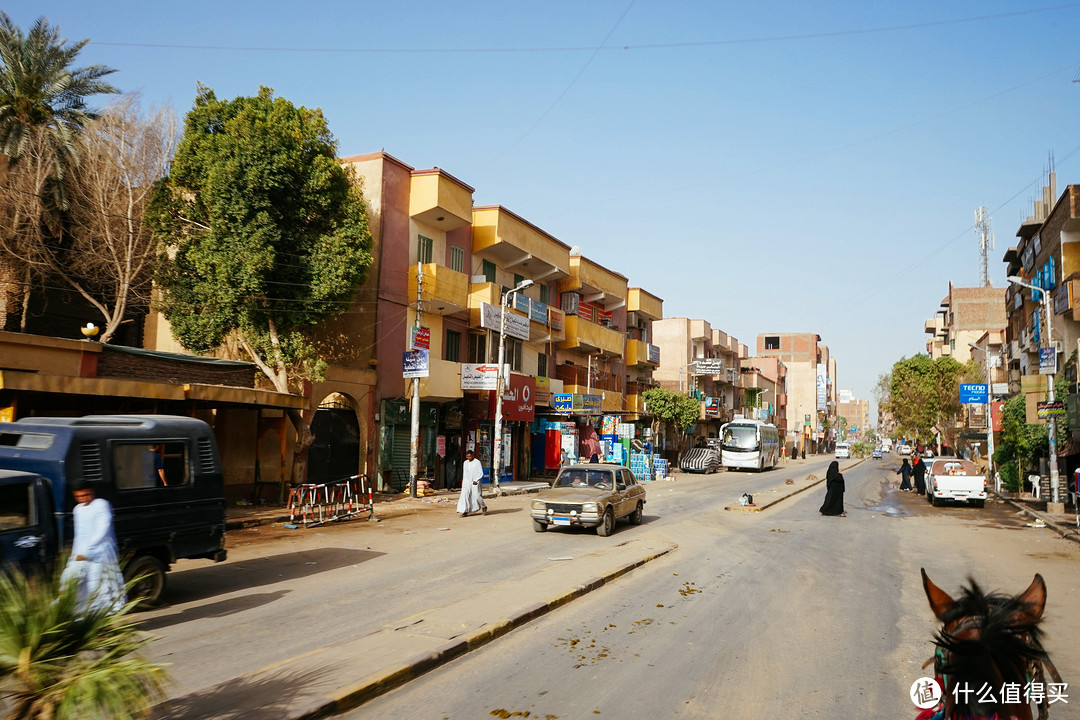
641,466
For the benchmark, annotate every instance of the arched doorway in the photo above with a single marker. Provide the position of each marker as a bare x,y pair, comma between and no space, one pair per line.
336,452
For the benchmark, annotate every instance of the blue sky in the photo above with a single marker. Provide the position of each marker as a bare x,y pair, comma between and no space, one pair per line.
770,166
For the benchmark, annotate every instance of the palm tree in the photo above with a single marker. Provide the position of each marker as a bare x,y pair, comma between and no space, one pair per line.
42,111
39,90
60,661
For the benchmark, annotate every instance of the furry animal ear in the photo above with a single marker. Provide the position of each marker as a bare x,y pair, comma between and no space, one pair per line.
940,601
1033,600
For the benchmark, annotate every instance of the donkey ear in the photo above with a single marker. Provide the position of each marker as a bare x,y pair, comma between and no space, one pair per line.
1034,600
940,602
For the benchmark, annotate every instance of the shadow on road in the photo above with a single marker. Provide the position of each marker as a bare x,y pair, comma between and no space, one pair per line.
206,582
214,610
269,698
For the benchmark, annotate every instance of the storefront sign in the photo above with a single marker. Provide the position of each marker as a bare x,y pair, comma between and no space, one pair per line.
543,391
1051,409
538,312
556,319
590,404
712,407
973,393
708,366
578,404
522,302
563,402
516,326
654,354
518,400
1047,361
480,377
414,364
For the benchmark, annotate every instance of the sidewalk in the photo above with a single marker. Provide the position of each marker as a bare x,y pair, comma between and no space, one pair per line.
1064,524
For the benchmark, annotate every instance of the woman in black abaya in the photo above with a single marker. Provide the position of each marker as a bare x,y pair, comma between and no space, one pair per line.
834,492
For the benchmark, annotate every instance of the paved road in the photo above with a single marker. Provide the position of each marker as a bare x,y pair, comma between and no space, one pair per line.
779,614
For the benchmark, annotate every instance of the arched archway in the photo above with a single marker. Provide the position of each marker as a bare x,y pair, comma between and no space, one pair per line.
336,452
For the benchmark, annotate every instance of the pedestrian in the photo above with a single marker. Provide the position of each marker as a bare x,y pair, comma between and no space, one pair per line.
918,472
471,498
95,561
451,463
834,492
905,476
803,452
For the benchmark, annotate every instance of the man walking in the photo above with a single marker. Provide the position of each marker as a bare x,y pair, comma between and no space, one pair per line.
471,498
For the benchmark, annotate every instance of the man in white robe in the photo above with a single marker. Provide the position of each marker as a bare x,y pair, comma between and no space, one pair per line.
94,562
471,499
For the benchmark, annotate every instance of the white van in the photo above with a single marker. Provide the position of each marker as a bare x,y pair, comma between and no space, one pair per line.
843,450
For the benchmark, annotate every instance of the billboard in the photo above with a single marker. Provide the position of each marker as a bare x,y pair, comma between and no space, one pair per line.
822,387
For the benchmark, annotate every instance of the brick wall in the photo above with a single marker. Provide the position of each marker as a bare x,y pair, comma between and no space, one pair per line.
114,363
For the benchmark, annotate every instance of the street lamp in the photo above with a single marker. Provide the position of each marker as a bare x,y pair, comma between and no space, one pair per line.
496,458
989,417
1051,426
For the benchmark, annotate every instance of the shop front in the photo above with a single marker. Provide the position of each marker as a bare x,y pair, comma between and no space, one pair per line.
518,413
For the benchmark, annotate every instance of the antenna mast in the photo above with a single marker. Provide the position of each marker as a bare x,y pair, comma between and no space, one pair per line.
986,243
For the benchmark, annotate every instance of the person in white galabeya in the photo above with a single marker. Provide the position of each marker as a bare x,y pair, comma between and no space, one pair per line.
94,562
471,499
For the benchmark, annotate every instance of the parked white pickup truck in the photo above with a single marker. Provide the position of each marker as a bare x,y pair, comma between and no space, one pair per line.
955,479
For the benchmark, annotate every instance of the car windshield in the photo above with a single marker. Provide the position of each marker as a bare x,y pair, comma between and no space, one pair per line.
582,477
740,438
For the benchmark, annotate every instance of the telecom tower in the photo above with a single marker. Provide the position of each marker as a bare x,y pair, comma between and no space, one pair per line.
986,243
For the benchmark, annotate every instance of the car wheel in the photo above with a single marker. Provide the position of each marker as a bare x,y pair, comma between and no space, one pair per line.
978,503
635,517
145,577
607,525
539,526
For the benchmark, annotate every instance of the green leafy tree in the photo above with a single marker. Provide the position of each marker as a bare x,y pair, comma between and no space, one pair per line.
264,236
43,109
672,408
1021,444
59,661
925,393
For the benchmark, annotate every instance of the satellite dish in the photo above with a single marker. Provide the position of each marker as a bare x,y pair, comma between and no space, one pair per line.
575,251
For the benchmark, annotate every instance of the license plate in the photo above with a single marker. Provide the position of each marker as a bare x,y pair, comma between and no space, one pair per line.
560,521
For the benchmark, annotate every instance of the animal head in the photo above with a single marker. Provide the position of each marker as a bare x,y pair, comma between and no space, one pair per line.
986,640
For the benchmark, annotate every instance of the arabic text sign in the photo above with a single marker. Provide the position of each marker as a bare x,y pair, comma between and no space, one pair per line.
479,377
414,364
516,325
973,393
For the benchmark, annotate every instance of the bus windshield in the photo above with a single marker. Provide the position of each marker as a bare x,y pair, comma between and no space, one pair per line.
740,438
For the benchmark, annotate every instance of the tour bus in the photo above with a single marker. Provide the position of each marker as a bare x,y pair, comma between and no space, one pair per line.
749,444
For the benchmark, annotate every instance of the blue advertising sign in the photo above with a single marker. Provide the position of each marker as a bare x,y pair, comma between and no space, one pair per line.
973,393
414,364
563,402
1047,361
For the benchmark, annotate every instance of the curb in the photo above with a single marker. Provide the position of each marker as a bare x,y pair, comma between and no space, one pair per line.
1065,531
395,676
816,482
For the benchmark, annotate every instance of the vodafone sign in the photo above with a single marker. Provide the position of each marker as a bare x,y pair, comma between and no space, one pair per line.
518,399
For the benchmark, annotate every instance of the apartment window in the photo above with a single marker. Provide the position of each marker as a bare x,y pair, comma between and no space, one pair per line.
518,279
772,342
457,258
545,294
478,349
541,365
515,353
453,346
488,271
424,246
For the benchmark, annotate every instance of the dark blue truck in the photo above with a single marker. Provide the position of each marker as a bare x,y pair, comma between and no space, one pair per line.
161,473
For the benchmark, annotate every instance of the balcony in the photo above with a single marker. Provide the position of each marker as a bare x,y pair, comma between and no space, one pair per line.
595,284
439,199
445,291
443,382
518,245
645,304
588,338
638,354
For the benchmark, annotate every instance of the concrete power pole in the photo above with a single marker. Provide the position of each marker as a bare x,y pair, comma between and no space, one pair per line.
414,435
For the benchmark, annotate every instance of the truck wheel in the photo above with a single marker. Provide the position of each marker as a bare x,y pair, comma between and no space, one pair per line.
145,576
936,501
539,526
978,503
607,526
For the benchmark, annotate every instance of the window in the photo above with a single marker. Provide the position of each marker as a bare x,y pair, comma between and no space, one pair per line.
541,365
515,350
452,351
424,247
488,271
772,342
545,294
141,465
478,349
16,506
518,279
457,258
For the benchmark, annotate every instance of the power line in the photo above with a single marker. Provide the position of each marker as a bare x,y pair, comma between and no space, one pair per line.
581,48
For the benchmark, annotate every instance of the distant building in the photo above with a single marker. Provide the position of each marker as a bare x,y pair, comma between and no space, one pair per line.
811,386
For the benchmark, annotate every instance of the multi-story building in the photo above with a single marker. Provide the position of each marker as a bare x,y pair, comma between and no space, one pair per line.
811,389
642,354
853,415
964,316
771,376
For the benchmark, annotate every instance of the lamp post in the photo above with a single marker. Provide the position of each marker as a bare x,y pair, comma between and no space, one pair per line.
989,416
496,456
1051,422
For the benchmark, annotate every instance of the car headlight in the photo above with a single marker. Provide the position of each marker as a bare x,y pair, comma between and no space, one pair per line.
539,505
590,508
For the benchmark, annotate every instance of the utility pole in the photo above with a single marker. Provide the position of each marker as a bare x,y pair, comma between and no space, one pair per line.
414,435
496,455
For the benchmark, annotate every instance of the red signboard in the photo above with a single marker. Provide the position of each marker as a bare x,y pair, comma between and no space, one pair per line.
996,410
519,402
421,338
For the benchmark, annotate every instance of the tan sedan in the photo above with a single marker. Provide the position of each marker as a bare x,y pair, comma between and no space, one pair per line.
593,495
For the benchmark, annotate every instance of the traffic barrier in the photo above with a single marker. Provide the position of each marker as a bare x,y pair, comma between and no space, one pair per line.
312,505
